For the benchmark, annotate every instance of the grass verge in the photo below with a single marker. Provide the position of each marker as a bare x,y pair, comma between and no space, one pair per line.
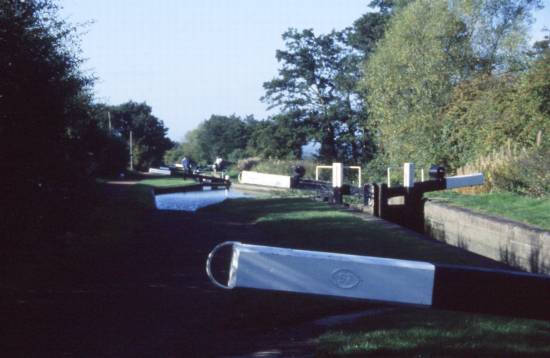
304,224
432,333
166,182
534,211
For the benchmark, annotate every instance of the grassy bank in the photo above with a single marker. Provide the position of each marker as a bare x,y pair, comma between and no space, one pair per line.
304,224
113,223
432,333
166,182
534,211
110,226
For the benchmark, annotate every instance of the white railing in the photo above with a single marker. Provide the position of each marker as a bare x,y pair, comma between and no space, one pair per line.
337,173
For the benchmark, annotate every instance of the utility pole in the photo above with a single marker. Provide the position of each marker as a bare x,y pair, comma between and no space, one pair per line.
131,153
109,117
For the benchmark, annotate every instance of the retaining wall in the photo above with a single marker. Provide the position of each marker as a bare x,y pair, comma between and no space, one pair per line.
508,241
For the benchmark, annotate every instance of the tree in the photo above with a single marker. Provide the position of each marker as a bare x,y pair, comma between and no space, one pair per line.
497,30
409,79
491,111
433,53
175,154
279,137
41,84
370,27
42,95
316,88
218,136
148,133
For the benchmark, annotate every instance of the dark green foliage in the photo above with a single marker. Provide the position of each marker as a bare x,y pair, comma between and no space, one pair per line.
279,137
233,138
110,156
52,139
219,136
175,154
42,97
315,88
41,91
222,136
370,27
148,133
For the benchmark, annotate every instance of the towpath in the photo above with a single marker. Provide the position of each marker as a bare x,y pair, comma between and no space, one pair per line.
151,298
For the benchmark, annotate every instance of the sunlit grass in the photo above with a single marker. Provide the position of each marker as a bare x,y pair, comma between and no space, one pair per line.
167,182
534,211
415,332
304,224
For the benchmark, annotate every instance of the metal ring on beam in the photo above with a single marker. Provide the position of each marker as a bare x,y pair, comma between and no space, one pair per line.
209,262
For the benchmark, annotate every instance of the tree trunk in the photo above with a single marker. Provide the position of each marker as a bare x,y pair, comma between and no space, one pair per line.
328,144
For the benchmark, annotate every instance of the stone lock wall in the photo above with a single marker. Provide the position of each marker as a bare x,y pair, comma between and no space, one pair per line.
508,241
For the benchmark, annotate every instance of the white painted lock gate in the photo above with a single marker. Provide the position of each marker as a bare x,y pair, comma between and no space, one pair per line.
331,274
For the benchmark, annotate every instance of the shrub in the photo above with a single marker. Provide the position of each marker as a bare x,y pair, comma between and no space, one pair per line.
523,171
278,166
247,163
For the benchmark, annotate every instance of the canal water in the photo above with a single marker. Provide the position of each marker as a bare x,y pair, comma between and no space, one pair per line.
194,200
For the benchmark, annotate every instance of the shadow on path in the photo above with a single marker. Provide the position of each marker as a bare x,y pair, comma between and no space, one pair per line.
151,298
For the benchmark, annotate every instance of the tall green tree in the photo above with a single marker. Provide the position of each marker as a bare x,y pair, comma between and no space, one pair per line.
370,27
42,96
218,136
409,79
498,31
41,88
316,88
434,51
223,136
277,138
148,133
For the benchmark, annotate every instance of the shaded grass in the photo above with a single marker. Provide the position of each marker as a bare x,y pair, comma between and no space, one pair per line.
167,182
534,211
102,235
433,333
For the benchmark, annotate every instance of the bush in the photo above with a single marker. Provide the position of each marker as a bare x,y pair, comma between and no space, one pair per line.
248,163
523,171
286,167
528,173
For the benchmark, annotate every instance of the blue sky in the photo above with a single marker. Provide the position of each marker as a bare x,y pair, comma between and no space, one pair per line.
189,59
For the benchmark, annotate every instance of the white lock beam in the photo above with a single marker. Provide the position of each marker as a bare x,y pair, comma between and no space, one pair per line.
460,181
388,280
330,274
